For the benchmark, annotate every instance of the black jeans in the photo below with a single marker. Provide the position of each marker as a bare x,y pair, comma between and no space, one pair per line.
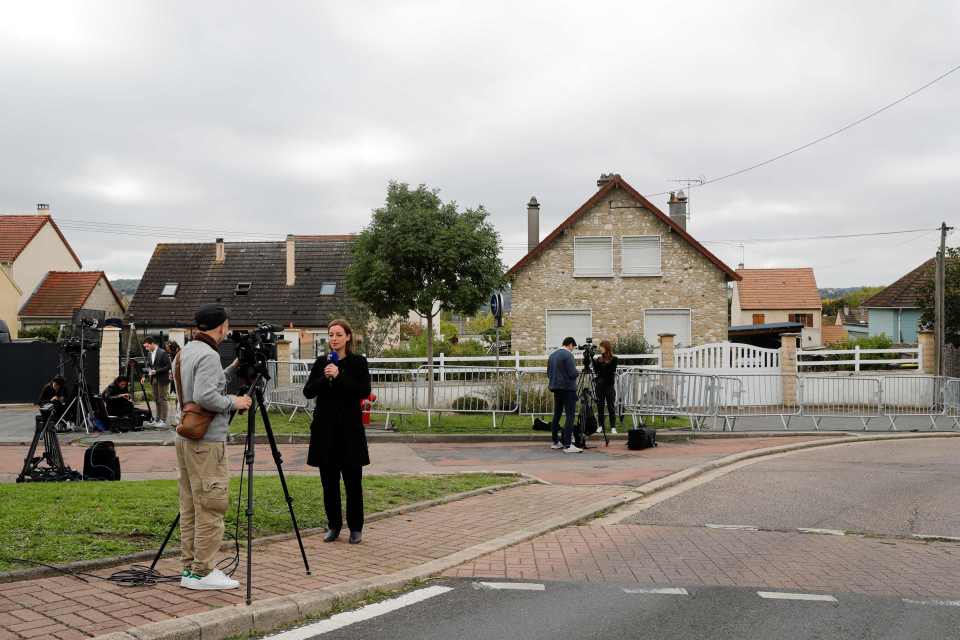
607,395
564,401
352,480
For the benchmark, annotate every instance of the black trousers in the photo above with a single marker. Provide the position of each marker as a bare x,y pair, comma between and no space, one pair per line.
564,401
352,480
607,395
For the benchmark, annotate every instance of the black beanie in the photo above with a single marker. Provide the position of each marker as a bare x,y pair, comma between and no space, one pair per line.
210,316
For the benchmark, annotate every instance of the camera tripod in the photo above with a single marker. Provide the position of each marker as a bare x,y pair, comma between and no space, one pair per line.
132,372
56,469
255,391
587,399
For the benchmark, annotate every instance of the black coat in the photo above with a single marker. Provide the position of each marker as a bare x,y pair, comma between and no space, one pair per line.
161,366
337,438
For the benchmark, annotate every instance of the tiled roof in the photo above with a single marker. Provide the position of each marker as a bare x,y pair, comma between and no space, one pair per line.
61,292
778,289
833,334
903,292
200,279
16,232
616,182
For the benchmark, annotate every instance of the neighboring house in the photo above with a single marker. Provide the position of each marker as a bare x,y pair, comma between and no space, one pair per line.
834,334
854,321
617,266
61,292
773,296
30,247
895,311
298,284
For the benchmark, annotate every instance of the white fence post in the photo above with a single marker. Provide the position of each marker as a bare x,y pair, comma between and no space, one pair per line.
856,358
517,365
443,376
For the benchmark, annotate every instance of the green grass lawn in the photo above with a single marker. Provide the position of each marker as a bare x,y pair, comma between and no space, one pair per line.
440,423
63,522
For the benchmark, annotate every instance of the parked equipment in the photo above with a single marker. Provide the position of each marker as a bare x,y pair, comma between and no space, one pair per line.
641,438
100,462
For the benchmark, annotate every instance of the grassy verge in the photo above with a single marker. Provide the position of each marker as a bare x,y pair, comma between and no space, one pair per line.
440,423
64,522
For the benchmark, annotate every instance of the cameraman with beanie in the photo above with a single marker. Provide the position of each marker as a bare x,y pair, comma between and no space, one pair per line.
562,378
202,464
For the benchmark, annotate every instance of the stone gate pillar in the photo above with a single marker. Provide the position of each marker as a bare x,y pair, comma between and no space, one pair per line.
109,356
928,355
788,367
667,359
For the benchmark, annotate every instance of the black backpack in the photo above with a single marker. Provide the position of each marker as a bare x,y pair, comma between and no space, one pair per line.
100,462
641,438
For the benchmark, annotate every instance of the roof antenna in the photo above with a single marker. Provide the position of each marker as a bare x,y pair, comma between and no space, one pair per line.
688,183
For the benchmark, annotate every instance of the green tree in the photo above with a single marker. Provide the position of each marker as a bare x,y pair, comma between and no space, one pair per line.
951,297
421,254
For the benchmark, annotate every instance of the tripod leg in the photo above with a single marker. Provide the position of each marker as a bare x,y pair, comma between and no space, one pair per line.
31,452
248,459
278,459
173,525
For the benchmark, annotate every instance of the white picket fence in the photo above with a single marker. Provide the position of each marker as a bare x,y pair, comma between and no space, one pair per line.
727,357
855,358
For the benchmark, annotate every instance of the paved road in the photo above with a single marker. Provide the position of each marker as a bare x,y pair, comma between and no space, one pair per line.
887,488
578,611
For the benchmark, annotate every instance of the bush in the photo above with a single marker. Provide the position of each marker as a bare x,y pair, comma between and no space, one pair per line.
470,404
44,334
633,343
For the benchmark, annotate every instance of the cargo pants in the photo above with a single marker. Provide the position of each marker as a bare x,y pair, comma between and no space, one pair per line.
204,490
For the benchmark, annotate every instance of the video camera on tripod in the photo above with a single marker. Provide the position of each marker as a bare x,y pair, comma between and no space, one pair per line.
254,349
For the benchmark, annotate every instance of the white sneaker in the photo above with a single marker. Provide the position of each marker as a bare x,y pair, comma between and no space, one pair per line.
215,580
573,449
613,430
556,445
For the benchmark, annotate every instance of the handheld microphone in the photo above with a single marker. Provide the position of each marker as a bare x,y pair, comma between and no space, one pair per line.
333,358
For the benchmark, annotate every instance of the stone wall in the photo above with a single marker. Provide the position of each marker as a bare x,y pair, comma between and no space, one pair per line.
688,281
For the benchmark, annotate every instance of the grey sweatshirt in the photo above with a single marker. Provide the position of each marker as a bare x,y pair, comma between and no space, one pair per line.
204,382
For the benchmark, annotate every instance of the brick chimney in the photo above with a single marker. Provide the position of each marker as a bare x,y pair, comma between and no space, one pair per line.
678,208
606,177
291,260
221,254
533,224
43,209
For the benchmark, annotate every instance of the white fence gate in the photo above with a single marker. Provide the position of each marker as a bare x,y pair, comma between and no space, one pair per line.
726,358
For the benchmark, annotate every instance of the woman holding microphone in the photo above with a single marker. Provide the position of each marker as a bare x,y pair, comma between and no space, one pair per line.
338,444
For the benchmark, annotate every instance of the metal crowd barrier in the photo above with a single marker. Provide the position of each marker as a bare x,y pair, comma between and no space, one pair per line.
467,390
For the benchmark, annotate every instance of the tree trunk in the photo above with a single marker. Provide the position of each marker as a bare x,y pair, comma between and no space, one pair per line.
430,360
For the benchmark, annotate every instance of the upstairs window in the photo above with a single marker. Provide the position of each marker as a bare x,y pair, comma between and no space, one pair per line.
243,288
169,289
328,288
759,318
641,256
806,319
593,256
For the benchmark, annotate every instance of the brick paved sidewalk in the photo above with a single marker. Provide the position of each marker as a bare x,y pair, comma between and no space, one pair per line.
66,608
697,556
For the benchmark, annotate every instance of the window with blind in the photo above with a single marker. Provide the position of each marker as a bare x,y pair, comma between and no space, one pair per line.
806,319
759,318
593,256
641,256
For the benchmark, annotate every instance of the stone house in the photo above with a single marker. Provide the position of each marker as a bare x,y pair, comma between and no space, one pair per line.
31,246
298,284
617,266
776,296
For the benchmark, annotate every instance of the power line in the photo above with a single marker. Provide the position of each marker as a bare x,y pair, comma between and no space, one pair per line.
823,137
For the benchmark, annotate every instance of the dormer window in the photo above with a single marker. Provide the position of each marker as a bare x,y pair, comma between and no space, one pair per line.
243,288
169,289
328,288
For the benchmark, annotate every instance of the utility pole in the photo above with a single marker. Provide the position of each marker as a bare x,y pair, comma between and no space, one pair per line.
939,313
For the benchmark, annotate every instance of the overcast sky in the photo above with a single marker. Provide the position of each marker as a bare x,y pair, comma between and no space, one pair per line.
260,119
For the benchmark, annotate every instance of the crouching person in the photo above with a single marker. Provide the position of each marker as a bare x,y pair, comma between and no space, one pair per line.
202,462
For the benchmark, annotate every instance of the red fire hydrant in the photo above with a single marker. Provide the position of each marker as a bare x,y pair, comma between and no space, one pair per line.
365,406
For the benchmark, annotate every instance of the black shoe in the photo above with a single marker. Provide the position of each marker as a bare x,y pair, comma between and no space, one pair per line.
356,537
331,535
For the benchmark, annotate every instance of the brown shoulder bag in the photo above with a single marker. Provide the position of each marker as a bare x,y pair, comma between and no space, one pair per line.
194,419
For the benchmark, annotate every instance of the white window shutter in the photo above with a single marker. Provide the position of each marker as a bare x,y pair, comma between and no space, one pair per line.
574,323
675,321
593,256
641,256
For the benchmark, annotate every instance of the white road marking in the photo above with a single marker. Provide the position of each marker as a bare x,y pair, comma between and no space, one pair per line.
669,591
735,527
368,612
935,603
826,532
513,586
778,595
926,536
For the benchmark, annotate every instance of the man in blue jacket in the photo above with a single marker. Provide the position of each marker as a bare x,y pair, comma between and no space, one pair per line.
562,374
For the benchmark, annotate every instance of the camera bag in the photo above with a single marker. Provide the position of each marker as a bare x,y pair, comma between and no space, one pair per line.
194,419
100,462
641,438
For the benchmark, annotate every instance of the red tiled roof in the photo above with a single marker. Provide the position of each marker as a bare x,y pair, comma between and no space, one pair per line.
778,289
833,334
617,182
903,292
16,232
63,291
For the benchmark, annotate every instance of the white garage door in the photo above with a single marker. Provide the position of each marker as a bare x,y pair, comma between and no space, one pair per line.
561,324
675,321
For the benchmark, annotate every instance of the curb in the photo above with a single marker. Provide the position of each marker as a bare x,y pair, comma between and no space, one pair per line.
265,615
103,563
